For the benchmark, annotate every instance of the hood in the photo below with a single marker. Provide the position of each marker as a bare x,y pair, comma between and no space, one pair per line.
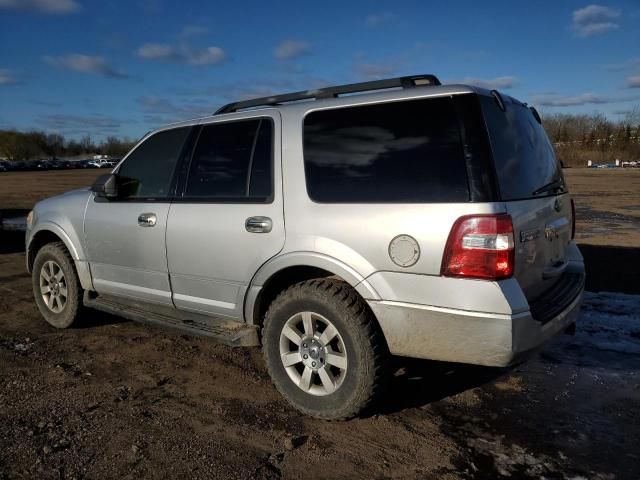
71,200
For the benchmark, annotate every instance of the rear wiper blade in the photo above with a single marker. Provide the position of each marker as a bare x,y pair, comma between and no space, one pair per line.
551,186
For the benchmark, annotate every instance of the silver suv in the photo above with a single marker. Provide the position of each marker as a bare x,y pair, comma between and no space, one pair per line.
335,227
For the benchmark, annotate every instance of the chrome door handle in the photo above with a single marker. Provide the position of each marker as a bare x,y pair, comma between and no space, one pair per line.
258,224
147,220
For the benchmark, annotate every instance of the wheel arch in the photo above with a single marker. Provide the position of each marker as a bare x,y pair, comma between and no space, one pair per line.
285,270
45,234
50,233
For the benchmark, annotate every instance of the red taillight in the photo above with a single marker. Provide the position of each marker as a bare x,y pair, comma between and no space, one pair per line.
573,219
480,246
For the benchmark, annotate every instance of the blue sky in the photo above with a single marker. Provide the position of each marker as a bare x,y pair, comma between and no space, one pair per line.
124,67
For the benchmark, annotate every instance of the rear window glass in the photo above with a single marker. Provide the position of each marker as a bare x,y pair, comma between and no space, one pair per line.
526,165
400,152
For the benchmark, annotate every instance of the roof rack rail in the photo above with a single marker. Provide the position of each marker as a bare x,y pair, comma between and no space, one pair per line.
333,92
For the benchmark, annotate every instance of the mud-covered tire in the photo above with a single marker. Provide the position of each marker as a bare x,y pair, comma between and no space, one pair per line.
56,254
365,348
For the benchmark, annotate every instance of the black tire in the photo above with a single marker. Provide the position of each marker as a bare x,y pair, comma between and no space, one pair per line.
57,253
366,349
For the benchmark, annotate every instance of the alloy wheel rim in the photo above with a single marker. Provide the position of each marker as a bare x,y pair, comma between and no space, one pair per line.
53,286
313,353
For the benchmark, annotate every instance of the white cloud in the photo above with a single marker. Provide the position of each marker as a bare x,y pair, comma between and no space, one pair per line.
633,81
594,20
184,54
557,100
80,123
375,70
7,77
498,83
289,49
193,31
161,110
85,64
619,67
206,56
42,6
156,51
376,19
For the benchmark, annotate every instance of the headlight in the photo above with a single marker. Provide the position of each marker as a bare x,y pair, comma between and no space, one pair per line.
30,219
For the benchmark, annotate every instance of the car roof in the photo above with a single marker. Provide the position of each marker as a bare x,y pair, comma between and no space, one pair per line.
308,102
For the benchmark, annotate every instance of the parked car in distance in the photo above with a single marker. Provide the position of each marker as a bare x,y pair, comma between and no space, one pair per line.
334,227
101,163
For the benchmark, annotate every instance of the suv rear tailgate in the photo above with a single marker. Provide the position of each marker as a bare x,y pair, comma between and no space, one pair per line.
533,189
542,231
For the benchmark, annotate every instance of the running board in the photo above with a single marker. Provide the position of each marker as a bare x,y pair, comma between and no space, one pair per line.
228,332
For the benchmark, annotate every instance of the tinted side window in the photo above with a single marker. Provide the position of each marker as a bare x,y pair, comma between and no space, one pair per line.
232,160
261,180
477,150
523,156
148,170
401,152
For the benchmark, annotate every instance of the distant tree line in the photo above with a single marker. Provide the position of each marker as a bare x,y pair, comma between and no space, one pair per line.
16,146
579,138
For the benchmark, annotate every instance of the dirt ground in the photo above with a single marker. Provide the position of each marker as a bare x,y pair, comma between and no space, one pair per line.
21,190
117,399
607,205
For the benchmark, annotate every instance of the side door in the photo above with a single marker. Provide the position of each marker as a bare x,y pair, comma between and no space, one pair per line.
125,237
227,219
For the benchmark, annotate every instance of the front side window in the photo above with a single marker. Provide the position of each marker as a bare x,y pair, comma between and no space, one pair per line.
232,160
400,152
148,170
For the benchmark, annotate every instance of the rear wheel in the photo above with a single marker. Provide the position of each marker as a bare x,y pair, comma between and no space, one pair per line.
323,349
55,285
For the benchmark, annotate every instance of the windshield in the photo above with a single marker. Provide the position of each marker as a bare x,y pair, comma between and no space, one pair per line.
525,162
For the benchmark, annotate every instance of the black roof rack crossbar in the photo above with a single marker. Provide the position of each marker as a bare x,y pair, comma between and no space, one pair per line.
333,92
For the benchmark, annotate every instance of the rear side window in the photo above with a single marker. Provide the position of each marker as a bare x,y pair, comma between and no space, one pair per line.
523,155
400,152
148,170
232,160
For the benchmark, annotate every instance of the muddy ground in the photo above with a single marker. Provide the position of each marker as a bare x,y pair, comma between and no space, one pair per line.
607,205
117,399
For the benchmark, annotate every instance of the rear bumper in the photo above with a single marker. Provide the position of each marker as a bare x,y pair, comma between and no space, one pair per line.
464,336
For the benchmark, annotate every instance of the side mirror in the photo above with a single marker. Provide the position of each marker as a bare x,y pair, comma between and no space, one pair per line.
106,186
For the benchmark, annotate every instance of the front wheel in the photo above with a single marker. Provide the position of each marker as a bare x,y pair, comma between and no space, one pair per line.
56,287
323,349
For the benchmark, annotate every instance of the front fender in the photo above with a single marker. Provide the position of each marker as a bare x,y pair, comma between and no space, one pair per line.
56,229
63,216
75,250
